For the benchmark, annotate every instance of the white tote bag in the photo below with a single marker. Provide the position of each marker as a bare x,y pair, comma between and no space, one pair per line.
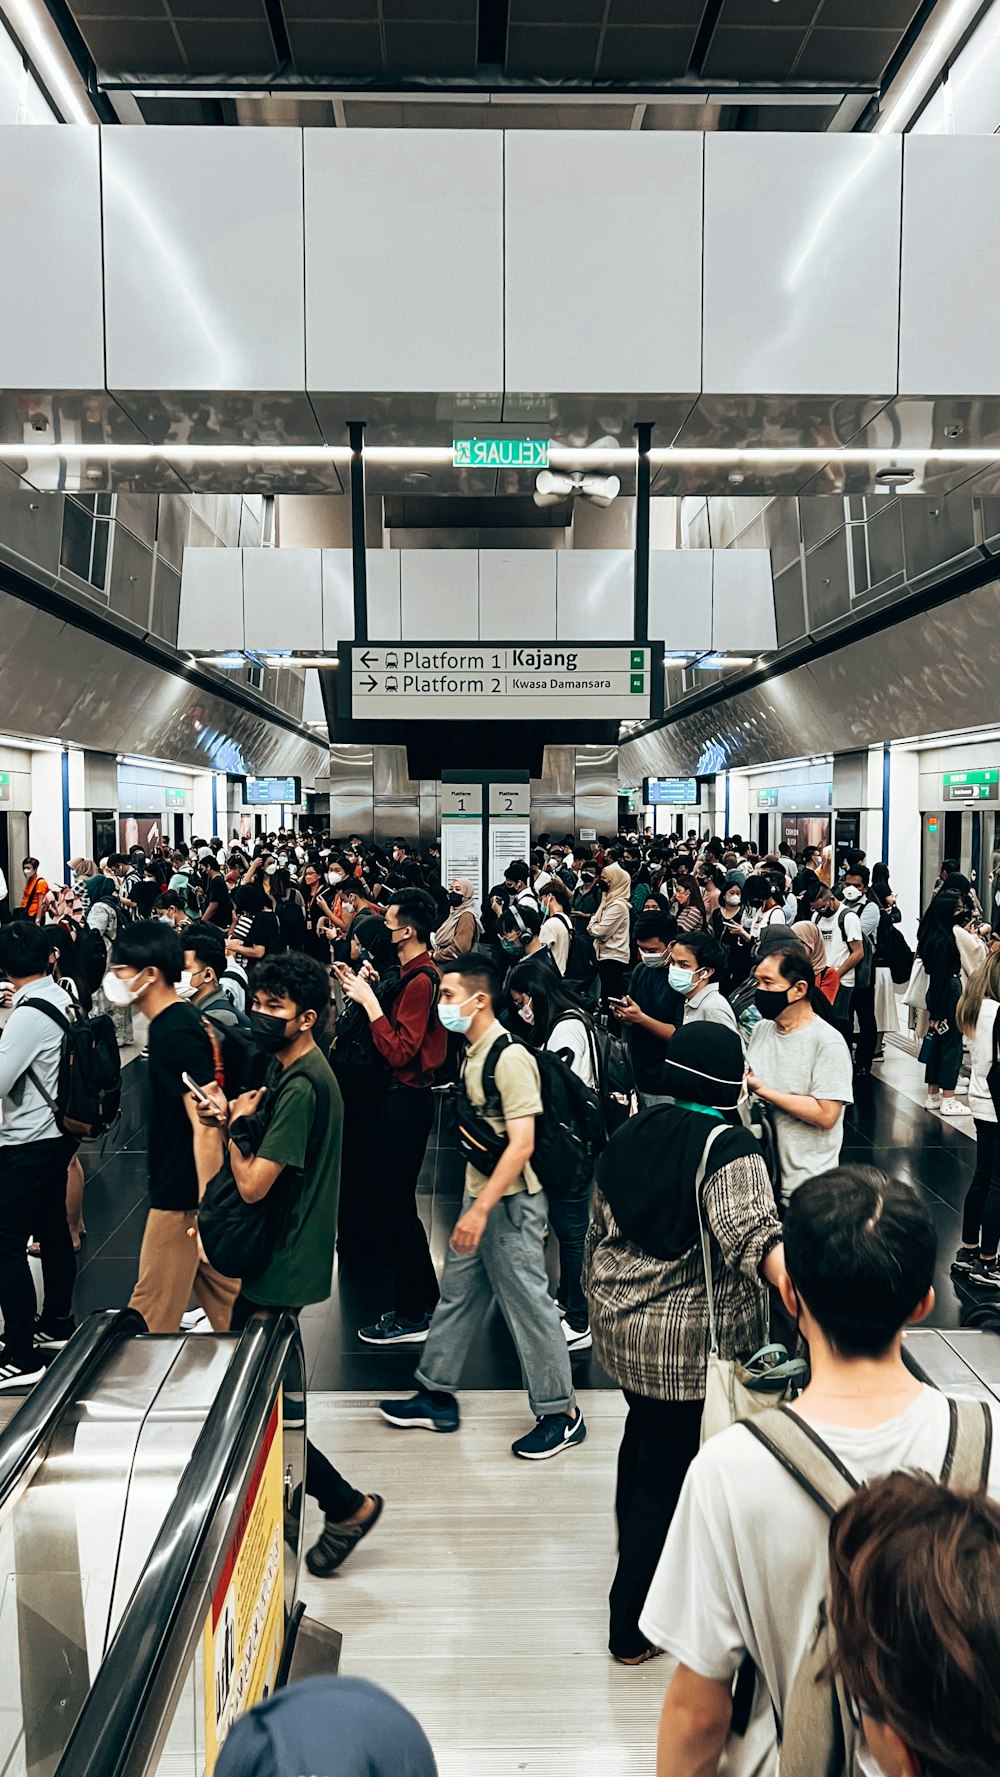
735,1389
916,992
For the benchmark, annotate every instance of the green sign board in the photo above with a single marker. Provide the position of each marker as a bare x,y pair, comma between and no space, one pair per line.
972,786
4,786
767,798
500,453
175,798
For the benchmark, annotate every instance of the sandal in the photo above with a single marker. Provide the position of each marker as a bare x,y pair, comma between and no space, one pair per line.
651,1653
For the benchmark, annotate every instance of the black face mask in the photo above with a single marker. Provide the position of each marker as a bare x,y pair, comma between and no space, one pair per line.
771,1003
268,1032
455,900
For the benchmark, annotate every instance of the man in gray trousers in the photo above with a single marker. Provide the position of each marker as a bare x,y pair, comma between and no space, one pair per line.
497,1245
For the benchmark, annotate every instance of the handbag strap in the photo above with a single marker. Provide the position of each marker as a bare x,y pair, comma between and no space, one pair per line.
706,1251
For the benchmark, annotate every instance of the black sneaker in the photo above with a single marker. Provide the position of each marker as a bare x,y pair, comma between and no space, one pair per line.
552,1433
54,1334
420,1413
392,1329
14,1375
966,1259
337,1541
985,1276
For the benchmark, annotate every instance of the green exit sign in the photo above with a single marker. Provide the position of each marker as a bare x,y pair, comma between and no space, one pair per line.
175,798
500,453
767,798
972,786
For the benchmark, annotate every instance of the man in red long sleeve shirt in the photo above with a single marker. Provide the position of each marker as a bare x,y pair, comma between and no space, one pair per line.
409,1037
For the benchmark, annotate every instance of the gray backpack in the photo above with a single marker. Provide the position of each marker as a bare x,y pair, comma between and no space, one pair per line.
817,1736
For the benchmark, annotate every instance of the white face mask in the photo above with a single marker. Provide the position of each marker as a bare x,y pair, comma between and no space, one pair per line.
527,1012
333,877
118,991
852,894
654,959
186,989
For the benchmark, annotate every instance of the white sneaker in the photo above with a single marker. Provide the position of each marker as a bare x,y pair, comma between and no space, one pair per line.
953,1107
577,1341
933,1100
195,1321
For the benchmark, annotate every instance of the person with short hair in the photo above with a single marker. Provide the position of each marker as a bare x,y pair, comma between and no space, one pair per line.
652,1010
497,1247
745,1566
330,1727
915,1609
799,1065
183,1155
34,1157
411,1041
696,961
35,890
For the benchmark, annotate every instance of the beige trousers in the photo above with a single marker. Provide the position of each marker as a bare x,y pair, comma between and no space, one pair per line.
171,1270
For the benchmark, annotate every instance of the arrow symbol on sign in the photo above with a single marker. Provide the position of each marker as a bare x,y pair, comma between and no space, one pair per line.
366,658
370,684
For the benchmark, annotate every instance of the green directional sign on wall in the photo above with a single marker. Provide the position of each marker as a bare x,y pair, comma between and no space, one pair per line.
500,453
972,786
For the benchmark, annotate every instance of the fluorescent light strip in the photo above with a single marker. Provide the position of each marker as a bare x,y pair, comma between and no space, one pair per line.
931,64
28,24
324,454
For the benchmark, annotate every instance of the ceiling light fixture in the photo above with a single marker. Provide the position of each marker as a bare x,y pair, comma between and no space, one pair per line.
551,487
899,477
953,25
29,28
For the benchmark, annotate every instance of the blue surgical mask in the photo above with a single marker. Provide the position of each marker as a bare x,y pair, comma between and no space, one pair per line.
681,980
453,1018
511,946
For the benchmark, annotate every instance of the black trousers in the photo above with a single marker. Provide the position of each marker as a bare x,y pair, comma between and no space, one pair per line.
981,1215
943,1070
658,1446
336,1498
863,1007
359,1221
33,1202
407,1117
612,975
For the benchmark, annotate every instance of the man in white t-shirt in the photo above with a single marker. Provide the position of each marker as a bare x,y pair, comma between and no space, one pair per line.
843,940
745,1565
799,1065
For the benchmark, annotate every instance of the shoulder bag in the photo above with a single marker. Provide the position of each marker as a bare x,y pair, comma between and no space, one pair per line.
735,1389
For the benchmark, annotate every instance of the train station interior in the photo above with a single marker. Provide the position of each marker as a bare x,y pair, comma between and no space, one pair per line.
499,509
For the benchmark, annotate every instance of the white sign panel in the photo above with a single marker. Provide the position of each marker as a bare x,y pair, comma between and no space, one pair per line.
462,853
509,839
510,801
462,800
482,682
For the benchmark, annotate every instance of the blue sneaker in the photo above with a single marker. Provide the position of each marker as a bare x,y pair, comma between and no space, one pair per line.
392,1329
552,1433
420,1412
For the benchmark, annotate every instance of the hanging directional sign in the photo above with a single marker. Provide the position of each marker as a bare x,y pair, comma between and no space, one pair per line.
500,453
972,786
507,682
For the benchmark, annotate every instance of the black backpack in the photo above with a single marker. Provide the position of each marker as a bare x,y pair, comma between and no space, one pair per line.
291,924
89,1089
239,1238
864,971
581,963
239,1064
353,1054
616,1079
231,975
568,1134
89,947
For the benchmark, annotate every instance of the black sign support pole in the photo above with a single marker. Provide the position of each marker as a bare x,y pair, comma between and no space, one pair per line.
356,434
640,625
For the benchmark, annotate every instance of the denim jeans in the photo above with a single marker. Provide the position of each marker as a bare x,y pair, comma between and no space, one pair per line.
508,1266
569,1219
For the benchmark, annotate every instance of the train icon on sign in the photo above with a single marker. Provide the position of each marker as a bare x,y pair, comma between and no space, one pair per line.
392,684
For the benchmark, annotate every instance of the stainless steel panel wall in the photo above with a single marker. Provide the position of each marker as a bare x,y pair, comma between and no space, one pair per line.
351,790
595,595
797,246
211,615
742,600
51,321
680,598
57,681
440,594
949,342
30,528
404,245
928,674
517,595
203,244
578,206
596,792
282,598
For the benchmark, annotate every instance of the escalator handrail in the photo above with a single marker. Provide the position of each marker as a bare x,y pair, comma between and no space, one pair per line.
37,1417
143,1666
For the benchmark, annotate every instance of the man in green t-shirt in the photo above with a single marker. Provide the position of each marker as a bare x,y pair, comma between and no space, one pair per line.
301,1147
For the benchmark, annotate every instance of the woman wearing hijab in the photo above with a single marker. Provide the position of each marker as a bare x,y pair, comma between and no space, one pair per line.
461,930
644,1277
609,929
811,939
329,1727
100,894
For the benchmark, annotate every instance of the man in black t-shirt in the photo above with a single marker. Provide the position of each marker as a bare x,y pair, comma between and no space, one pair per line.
183,1154
218,909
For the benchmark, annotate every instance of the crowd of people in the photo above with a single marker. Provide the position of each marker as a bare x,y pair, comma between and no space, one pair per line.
647,1047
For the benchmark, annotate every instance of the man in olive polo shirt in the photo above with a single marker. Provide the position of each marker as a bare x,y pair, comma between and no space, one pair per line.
298,1157
497,1244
